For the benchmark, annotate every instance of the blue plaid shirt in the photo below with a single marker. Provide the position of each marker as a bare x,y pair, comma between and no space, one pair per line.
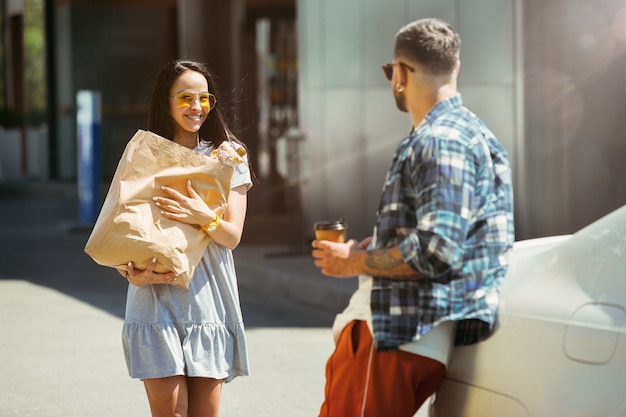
448,202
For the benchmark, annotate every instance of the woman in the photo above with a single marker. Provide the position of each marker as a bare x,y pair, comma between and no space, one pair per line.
185,344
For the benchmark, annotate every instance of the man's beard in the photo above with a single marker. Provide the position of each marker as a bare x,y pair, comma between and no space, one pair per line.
400,101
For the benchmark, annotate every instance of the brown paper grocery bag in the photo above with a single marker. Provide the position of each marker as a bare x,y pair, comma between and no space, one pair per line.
130,227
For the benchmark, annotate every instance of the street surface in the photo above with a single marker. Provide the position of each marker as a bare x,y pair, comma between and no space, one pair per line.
60,323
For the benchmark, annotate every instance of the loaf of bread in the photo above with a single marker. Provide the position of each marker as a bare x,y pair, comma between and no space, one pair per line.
227,154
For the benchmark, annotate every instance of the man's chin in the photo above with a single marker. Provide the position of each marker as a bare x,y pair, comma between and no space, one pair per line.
400,103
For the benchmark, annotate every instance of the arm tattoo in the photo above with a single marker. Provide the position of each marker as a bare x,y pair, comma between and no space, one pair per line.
382,260
384,264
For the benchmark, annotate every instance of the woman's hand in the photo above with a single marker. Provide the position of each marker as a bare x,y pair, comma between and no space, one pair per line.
147,276
193,210
190,210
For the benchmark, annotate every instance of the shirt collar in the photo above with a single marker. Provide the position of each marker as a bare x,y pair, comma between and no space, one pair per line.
442,107
438,109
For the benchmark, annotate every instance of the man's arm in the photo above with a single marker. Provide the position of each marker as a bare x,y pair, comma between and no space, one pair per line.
388,263
344,260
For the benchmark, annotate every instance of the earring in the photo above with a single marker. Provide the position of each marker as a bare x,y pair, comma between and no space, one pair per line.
399,88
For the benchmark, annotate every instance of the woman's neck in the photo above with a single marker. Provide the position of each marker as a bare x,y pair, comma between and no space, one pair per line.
187,139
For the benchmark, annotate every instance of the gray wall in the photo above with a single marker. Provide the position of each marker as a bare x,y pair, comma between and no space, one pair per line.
116,50
575,101
347,110
546,75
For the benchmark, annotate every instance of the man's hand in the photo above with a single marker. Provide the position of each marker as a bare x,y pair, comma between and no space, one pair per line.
350,259
339,260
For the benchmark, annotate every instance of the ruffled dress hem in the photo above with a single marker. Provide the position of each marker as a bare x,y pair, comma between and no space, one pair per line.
209,350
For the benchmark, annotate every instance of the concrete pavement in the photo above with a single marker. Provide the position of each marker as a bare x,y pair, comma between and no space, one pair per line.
61,316
32,210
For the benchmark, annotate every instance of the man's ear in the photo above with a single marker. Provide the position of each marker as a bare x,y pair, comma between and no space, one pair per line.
402,77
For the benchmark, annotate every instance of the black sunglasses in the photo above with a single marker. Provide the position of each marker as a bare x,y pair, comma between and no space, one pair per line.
388,69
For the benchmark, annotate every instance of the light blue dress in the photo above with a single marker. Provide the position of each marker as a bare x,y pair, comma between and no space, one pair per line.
197,332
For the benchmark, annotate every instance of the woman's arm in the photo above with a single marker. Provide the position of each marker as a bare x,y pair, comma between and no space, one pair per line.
230,228
193,210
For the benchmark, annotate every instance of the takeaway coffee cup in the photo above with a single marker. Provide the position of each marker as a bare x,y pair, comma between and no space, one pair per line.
334,230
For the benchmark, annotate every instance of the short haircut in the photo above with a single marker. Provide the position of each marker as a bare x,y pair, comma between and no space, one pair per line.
431,43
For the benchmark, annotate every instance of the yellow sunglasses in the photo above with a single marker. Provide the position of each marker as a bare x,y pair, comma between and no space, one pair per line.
187,98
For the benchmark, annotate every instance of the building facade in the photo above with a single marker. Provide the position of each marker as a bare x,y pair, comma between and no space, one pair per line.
544,75
309,98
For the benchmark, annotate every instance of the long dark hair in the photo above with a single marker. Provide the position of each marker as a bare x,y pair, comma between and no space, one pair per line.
160,120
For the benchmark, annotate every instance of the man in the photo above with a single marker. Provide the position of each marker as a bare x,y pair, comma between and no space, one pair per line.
430,275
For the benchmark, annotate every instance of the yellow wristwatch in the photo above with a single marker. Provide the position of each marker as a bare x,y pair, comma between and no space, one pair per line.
213,225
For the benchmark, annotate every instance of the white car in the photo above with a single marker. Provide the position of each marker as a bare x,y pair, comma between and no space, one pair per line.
560,346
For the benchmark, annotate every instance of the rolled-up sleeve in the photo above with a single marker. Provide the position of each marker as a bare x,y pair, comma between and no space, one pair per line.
445,183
